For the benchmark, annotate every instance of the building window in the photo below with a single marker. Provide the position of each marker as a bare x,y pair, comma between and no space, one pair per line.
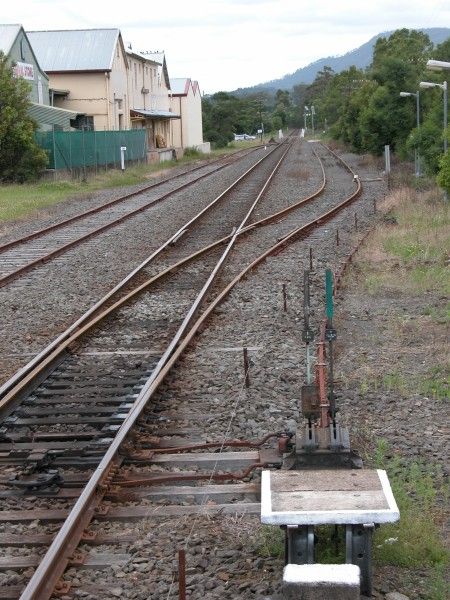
135,74
83,122
22,50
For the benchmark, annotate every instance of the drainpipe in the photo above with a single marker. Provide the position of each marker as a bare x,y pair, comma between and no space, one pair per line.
108,114
181,123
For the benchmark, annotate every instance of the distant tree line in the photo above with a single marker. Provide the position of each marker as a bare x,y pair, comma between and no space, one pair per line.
225,114
362,108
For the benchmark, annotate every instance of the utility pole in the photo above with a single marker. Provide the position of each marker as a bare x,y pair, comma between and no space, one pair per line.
260,119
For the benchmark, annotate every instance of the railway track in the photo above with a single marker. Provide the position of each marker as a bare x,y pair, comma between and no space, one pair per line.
69,435
21,255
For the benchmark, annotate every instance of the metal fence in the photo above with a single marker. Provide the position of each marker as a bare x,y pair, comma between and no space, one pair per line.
91,149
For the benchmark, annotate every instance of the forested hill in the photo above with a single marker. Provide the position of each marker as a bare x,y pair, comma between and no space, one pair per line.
360,57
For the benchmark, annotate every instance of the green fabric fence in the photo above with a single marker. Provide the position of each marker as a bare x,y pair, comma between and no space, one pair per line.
81,149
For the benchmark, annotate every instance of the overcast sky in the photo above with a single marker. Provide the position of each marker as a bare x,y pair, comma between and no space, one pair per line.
226,44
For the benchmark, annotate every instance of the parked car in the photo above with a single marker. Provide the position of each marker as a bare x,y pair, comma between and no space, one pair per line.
239,137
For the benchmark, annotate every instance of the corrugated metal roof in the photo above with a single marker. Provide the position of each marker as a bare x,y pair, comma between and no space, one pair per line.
50,115
142,56
154,56
155,114
75,50
8,34
180,86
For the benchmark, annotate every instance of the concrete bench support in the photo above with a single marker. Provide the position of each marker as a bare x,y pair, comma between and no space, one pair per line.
321,582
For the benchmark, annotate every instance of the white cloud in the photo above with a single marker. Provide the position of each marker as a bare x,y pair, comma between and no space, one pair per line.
227,44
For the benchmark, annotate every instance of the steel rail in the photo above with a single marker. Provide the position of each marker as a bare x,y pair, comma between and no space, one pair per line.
70,340
91,211
56,348
42,583
26,369
40,586
52,352
94,232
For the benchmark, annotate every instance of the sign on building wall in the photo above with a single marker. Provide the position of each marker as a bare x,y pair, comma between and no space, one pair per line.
24,70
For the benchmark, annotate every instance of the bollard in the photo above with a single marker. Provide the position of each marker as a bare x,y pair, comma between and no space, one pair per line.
284,298
310,259
246,369
337,237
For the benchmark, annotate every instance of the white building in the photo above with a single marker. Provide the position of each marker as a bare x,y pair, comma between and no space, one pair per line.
187,102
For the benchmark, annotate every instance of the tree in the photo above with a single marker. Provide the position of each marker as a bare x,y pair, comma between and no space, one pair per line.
409,46
21,159
443,177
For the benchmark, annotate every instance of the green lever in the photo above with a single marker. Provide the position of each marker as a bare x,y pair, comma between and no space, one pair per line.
329,293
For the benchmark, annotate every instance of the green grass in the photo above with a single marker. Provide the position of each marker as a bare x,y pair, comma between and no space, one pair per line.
18,201
416,246
440,314
416,540
268,541
434,383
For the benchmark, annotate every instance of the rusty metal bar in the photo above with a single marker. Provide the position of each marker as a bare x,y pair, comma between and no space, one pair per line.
246,368
177,476
182,574
225,444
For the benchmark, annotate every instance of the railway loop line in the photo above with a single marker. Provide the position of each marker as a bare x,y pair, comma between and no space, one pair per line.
84,443
20,255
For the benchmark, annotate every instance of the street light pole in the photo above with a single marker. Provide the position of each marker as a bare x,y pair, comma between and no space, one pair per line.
443,86
417,154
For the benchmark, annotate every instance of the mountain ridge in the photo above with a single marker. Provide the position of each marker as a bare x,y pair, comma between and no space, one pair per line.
361,57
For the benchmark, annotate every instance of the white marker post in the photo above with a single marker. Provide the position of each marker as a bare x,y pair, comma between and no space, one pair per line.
122,157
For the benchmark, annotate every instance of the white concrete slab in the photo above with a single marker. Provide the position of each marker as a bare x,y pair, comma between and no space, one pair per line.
321,582
318,573
326,497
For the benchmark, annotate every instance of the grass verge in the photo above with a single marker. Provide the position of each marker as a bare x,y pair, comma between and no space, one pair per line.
416,540
413,242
